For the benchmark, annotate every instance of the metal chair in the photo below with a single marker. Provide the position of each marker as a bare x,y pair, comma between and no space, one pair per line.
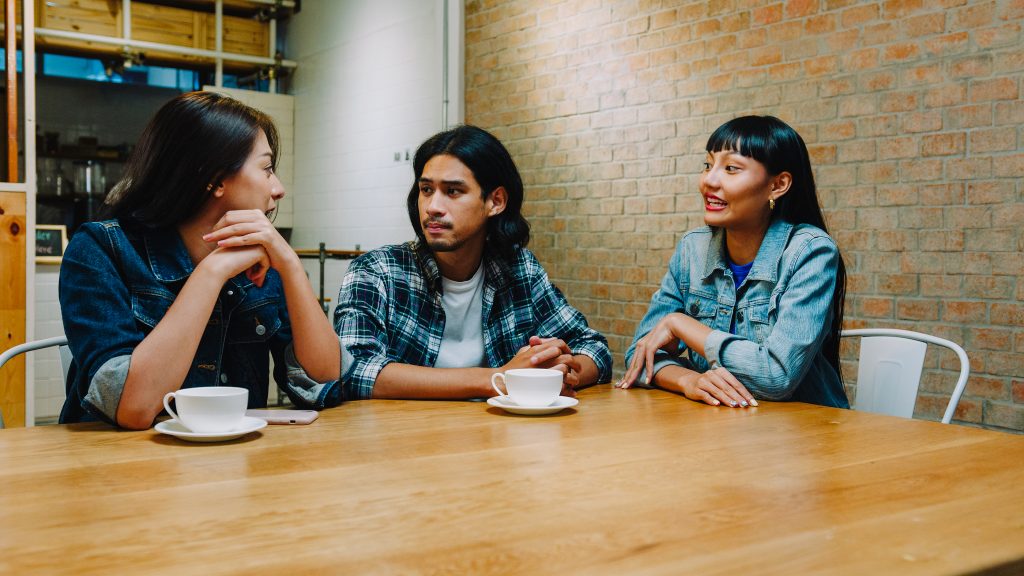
60,341
889,370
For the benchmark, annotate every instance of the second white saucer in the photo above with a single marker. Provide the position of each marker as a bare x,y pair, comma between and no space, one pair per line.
174,428
506,404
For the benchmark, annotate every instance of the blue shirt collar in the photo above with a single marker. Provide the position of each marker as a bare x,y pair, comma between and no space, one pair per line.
766,263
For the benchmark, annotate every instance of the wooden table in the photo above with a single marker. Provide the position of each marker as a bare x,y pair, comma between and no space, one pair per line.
629,482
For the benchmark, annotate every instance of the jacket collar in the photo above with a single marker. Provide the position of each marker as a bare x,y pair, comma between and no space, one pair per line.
497,272
766,263
169,260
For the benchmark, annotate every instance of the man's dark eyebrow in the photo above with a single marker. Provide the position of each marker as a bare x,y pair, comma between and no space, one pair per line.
445,182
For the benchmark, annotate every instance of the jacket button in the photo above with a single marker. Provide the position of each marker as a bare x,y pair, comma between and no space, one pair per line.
223,378
231,292
260,330
693,308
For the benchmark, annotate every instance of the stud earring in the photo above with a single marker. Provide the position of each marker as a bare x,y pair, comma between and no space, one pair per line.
771,203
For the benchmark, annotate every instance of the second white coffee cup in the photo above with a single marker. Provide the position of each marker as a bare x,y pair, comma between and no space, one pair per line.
209,409
529,387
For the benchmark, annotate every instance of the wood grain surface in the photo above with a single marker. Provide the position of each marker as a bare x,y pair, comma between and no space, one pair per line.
13,241
628,482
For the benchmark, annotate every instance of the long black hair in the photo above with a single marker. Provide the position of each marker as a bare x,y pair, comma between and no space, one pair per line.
191,145
493,168
779,148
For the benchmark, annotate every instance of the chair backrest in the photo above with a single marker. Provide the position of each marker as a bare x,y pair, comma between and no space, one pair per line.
889,371
60,341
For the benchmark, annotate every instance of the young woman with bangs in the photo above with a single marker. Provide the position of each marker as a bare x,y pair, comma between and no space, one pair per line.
752,304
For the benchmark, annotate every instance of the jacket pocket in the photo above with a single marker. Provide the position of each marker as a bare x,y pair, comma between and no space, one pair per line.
256,322
150,305
759,320
701,307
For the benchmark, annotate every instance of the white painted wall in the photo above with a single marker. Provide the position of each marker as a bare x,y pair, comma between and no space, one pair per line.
49,378
368,85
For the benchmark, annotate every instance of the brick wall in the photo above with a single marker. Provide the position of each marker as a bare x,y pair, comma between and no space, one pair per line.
910,109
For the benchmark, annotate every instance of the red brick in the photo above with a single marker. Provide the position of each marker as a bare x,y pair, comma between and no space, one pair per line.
1018,391
994,89
767,14
940,285
972,116
1002,415
946,95
897,283
950,44
972,66
917,310
900,53
922,121
943,144
1008,315
963,311
800,8
876,307
990,287
859,15
989,339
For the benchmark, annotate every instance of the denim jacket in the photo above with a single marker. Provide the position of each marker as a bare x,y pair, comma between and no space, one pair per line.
116,284
783,312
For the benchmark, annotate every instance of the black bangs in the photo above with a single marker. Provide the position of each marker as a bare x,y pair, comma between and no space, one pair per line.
756,137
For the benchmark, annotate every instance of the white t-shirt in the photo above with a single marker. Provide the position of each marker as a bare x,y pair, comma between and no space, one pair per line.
462,344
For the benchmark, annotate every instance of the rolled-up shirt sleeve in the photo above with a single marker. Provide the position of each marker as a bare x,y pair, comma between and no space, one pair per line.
360,321
303,390
96,309
104,395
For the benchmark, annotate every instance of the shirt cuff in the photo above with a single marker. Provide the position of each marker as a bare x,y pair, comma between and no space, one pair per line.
300,385
106,387
659,363
713,347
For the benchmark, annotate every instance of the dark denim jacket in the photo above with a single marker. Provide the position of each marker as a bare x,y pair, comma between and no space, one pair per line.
117,283
782,312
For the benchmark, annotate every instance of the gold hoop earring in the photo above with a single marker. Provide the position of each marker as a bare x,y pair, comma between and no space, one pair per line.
771,203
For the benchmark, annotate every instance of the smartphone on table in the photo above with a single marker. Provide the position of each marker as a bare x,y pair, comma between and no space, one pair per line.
284,416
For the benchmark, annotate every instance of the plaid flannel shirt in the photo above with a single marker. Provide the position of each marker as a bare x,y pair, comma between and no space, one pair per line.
389,310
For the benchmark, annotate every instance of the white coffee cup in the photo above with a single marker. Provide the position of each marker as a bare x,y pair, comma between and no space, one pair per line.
529,387
208,409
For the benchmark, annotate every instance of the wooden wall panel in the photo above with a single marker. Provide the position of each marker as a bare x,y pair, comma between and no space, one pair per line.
12,304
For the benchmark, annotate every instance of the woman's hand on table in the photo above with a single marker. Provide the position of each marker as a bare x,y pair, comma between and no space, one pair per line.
717,387
664,336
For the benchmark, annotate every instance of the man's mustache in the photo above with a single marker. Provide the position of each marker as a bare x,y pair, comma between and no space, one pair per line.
437,221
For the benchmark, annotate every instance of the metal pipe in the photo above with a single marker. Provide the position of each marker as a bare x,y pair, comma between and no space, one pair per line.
444,66
10,43
272,52
126,19
219,42
211,54
28,68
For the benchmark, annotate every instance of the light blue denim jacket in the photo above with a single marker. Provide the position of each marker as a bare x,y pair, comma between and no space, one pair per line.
783,312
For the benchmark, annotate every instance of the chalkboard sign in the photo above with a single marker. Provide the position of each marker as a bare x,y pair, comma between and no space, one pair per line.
50,243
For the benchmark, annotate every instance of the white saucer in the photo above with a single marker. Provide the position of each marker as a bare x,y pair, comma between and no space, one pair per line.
506,404
174,428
